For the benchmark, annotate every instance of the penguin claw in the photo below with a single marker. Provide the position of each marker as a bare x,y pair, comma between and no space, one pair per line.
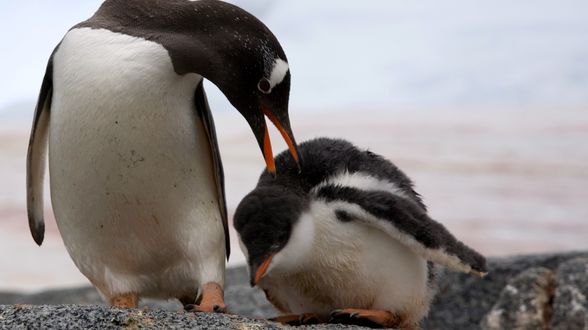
220,309
212,300
309,319
360,317
337,314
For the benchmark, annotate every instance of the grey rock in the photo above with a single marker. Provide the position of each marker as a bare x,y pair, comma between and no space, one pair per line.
103,317
463,300
243,300
525,302
240,297
570,305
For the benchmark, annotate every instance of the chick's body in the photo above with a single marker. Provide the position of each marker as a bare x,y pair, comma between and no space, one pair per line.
347,236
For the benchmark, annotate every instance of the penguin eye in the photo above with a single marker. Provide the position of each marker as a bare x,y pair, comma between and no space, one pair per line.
264,86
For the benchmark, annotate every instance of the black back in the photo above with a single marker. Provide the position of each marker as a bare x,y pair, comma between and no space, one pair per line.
325,157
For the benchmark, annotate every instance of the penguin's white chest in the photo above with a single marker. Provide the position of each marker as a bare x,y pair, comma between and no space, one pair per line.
349,265
131,172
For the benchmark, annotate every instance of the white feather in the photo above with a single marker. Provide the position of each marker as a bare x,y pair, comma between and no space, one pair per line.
438,256
299,245
362,181
365,263
131,171
348,264
278,73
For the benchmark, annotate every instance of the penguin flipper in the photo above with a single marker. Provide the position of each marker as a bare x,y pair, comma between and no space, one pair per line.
204,112
37,155
405,221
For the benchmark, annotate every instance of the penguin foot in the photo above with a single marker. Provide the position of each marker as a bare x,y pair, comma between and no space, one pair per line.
127,300
202,308
368,318
301,319
212,300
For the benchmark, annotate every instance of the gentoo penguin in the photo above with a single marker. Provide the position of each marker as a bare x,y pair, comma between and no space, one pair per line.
348,240
135,170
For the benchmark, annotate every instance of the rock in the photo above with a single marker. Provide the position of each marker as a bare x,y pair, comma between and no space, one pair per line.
570,305
103,317
245,301
462,302
240,297
524,304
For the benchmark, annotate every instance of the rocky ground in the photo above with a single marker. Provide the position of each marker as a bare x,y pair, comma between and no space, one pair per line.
526,292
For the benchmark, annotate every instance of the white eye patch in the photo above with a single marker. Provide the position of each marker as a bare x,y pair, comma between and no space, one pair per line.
279,71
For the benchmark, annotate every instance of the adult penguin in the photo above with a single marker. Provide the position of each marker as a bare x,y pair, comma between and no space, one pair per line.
135,171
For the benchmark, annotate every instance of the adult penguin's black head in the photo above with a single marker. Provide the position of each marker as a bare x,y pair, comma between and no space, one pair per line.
224,44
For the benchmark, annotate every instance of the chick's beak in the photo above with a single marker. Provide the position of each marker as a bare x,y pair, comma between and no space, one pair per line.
257,272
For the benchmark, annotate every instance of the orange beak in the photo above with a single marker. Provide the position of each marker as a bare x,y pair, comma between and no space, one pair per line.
286,133
268,153
260,272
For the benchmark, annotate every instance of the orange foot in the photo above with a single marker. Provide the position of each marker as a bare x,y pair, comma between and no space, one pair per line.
366,317
212,300
302,319
128,300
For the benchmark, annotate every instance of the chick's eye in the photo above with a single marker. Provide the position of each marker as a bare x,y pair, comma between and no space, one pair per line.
264,86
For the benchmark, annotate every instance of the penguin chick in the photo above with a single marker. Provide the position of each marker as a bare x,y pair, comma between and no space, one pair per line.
348,240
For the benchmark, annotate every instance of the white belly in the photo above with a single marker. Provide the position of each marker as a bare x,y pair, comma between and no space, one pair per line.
353,266
130,165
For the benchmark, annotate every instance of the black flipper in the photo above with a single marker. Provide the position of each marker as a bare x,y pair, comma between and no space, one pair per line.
203,109
405,221
37,155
